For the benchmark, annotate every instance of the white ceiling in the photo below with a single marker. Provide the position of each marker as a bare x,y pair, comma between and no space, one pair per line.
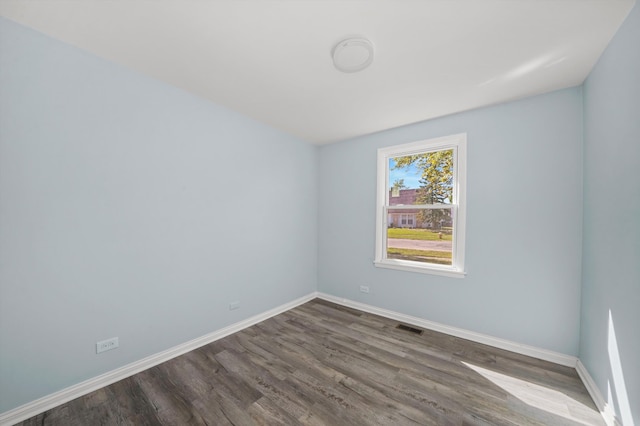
271,60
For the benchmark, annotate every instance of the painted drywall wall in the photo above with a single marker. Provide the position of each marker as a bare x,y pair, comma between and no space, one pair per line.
129,208
609,340
523,230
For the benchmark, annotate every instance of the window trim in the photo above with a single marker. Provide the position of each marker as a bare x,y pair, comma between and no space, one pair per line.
459,143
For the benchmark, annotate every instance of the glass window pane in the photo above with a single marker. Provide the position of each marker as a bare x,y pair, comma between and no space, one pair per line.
421,178
420,235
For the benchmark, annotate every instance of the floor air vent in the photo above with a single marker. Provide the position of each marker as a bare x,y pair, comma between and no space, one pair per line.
410,329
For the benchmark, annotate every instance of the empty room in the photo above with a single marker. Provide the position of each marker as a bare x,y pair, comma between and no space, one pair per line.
319,212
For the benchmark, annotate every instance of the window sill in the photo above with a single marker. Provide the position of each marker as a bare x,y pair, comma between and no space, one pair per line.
430,270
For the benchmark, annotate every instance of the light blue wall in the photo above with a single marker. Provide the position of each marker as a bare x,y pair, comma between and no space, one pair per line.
611,255
523,232
130,208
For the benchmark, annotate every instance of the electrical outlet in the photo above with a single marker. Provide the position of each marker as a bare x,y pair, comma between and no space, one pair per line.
107,345
364,289
234,305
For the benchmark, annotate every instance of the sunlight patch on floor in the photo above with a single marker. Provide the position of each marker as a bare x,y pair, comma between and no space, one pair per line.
540,397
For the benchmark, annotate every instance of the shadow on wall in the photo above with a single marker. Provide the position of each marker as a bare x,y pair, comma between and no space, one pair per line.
617,395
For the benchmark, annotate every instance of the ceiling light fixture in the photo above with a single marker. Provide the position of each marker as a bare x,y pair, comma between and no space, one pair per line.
352,54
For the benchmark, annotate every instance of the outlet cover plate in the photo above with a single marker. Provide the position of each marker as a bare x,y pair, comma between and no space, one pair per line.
107,345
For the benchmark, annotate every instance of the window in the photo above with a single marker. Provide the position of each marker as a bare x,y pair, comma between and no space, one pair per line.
420,218
406,219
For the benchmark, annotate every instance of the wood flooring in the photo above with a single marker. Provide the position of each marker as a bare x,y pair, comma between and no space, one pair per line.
325,364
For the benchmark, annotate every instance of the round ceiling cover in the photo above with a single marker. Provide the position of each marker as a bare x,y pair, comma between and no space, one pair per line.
352,54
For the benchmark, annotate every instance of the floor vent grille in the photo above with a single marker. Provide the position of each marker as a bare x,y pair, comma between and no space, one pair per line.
410,329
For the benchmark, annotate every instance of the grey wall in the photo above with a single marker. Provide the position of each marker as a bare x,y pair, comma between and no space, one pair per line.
129,208
524,210
610,340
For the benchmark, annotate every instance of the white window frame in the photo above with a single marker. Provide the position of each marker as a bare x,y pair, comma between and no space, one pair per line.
458,205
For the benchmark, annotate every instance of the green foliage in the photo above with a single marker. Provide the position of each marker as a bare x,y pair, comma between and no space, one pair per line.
417,234
426,256
399,184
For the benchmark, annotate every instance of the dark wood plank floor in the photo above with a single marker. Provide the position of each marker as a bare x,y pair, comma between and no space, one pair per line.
324,364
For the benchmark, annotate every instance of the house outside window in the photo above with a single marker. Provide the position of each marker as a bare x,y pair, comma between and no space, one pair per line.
421,212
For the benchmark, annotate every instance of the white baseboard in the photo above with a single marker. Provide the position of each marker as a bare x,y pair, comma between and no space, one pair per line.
43,404
606,410
532,351
65,395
